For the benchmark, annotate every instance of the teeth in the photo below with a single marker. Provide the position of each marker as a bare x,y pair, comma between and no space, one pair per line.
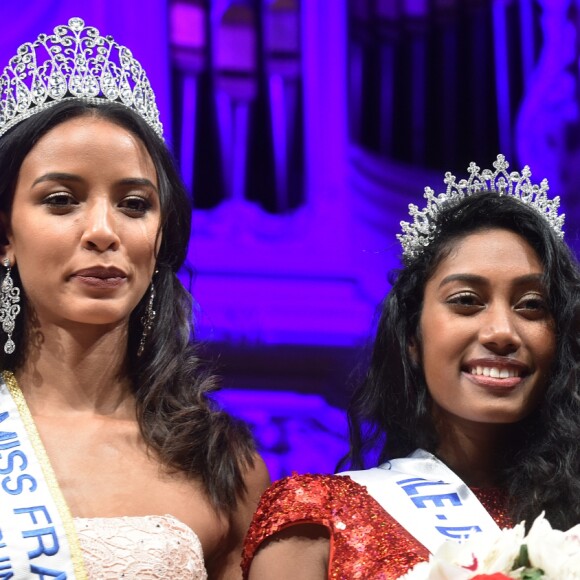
494,372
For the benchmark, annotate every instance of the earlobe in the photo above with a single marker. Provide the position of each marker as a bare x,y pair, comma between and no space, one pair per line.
413,350
5,238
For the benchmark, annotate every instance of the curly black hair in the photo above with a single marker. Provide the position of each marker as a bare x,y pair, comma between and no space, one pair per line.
390,413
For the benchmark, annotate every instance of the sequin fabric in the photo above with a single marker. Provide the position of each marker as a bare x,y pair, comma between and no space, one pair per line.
366,542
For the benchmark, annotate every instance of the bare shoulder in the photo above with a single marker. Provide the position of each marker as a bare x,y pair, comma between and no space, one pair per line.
256,475
256,480
227,565
301,551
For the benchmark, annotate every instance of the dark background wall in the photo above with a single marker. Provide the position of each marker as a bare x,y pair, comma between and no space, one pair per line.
303,130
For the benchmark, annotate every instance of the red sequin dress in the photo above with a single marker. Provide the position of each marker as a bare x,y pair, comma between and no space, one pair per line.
365,541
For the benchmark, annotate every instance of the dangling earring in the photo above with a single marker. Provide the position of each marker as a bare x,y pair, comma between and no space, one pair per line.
9,307
147,319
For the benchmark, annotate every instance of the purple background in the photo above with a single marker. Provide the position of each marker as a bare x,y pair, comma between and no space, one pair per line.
303,130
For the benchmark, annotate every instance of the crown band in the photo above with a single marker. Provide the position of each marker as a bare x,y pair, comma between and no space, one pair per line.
419,233
74,63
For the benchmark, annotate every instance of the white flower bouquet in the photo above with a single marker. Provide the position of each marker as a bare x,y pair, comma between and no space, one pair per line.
544,554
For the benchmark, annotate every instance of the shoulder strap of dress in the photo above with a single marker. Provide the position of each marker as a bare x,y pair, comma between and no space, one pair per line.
37,533
428,499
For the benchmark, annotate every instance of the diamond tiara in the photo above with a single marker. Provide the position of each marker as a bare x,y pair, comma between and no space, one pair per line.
74,63
419,233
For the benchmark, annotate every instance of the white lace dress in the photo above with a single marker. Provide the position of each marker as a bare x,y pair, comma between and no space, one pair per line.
144,548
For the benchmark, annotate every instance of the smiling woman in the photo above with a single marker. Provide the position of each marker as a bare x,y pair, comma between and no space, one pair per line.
471,399
499,332
114,462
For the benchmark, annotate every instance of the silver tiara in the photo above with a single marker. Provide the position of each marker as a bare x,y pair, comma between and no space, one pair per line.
73,63
418,234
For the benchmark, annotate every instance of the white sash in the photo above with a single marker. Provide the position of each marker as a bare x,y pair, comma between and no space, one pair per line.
426,498
37,535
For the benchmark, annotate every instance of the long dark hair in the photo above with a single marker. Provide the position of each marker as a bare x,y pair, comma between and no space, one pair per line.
177,418
390,412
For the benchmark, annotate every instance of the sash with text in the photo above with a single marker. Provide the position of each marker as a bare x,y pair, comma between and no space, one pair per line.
37,534
426,498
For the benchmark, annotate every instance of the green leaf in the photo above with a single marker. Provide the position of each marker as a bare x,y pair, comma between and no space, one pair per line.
523,559
532,574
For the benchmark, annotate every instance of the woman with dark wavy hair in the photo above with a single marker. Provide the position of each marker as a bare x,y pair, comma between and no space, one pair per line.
471,398
114,462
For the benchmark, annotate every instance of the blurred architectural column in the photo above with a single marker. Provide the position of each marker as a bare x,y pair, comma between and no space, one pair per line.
271,243
420,74
282,87
238,81
235,64
548,123
196,141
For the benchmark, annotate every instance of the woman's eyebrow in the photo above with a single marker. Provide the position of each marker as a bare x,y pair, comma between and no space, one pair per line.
137,181
528,278
470,278
476,279
60,176
57,176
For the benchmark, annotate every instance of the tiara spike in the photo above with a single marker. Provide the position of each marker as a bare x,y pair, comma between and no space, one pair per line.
75,62
419,233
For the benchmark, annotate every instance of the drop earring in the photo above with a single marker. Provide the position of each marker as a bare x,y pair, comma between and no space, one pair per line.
9,306
147,319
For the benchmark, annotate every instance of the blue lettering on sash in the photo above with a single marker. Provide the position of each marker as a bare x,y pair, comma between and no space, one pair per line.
42,547
46,539
19,484
438,500
9,445
5,564
15,460
12,458
458,532
6,434
32,512
47,573
412,487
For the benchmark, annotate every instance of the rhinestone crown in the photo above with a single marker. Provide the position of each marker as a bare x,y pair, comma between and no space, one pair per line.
73,63
419,233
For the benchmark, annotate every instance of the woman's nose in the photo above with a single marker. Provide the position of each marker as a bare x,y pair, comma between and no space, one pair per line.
100,228
499,331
